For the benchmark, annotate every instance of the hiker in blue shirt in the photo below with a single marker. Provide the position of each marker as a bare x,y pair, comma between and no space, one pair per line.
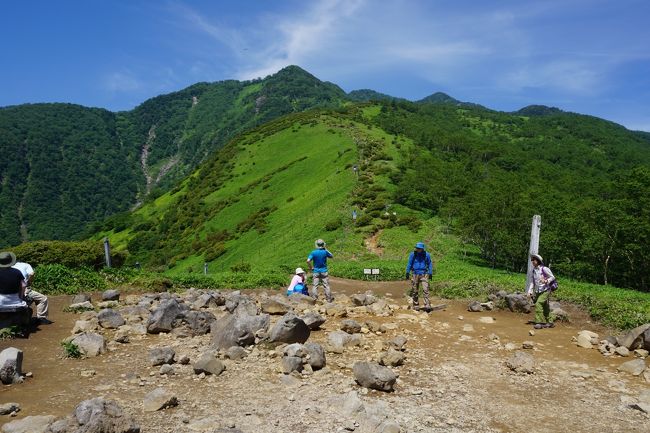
421,267
318,258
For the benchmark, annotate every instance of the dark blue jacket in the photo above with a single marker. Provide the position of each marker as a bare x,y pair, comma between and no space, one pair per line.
419,263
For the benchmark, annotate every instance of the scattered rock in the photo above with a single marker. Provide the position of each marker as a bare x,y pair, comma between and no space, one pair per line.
634,367
195,323
110,319
274,305
362,300
86,305
208,364
527,345
166,369
634,338
521,362
11,364
487,319
29,424
7,408
391,358
96,415
641,353
236,353
398,343
159,399
289,329
161,355
352,404
622,351
313,320
316,356
291,364
518,303
584,341
90,344
237,329
374,376
350,326
80,297
475,307
111,295
163,317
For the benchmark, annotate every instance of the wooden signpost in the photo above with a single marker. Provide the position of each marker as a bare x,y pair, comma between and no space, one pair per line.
534,247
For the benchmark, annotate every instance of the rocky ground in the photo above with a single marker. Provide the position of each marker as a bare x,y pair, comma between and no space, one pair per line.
456,370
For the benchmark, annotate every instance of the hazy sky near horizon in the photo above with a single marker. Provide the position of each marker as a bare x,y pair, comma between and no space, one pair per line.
586,56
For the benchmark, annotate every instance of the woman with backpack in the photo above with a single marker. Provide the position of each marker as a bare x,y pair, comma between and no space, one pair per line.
539,290
298,283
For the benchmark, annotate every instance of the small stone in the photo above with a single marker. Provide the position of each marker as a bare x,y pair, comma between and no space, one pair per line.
634,367
528,345
166,369
641,353
159,399
622,351
487,319
531,333
468,328
87,373
510,346
521,362
7,408
584,341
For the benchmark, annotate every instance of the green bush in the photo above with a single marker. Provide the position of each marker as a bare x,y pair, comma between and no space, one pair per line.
332,225
59,279
70,254
70,350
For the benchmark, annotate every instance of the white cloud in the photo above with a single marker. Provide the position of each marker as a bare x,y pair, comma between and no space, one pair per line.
123,81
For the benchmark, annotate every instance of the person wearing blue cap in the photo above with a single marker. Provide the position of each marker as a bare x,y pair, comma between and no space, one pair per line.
422,268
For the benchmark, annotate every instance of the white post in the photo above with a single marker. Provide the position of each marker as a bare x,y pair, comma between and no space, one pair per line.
534,247
107,252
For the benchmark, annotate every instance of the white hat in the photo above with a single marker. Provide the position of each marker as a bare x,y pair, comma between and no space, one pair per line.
320,243
538,258
299,271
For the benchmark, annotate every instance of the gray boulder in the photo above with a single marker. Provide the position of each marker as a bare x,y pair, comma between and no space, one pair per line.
350,326
7,408
521,362
299,298
163,317
195,322
96,415
291,364
209,300
236,353
295,349
81,297
237,329
313,320
11,364
159,399
90,344
634,338
634,367
161,355
475,307
518,303
398,342
241,302
316,355
289,329
110,319
208,364
29,424
337,340
374,376
391,358
274,305
363,299
86,305
111,295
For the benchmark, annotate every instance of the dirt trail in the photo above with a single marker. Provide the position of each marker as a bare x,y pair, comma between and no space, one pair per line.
372,244
454,378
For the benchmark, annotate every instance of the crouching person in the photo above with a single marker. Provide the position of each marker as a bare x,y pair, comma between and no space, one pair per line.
298,283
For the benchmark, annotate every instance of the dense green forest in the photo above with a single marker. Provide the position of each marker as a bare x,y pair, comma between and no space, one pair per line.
489,172
63,166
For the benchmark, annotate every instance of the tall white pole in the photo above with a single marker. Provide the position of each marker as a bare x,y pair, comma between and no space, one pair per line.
534,247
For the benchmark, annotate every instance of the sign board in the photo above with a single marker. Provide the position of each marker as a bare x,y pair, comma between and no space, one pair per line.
375,272
367,272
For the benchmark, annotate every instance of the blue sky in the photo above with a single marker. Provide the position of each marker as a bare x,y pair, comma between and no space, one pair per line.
587,56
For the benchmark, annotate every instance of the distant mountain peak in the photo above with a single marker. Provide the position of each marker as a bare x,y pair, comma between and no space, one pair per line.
439,98
538,110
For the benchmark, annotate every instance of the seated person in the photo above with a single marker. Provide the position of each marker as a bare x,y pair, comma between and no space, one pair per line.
32,295
12,286
298,283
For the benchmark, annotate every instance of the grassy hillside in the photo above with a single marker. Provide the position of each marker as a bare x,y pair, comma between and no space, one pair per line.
63,166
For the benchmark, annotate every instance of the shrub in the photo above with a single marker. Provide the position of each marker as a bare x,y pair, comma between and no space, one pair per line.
59,279
241,267
332,225
70,350
70,254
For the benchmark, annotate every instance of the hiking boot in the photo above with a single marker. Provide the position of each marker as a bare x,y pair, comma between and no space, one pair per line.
44,321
